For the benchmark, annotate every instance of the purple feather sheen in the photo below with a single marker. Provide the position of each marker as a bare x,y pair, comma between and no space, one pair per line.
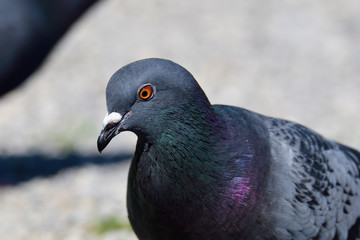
240,189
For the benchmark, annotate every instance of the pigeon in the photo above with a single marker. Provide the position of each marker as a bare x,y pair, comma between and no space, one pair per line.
203,171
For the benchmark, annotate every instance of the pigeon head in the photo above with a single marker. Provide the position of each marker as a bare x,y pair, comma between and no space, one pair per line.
146,96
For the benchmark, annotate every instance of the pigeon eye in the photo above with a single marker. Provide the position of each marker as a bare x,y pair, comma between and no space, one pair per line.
145,92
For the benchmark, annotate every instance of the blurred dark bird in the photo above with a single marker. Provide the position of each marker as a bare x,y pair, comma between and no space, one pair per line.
203,171
28,31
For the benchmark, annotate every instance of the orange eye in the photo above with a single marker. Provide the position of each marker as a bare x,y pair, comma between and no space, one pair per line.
145,92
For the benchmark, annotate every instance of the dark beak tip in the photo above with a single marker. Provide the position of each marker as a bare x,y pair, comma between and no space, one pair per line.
109,132
101,142
99,149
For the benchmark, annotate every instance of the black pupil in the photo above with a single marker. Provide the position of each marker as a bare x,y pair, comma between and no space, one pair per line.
144,93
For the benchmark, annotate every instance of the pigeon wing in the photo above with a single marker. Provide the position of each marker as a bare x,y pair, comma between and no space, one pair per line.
323,201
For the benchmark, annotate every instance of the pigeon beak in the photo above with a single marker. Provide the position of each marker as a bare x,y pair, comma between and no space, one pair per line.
112,126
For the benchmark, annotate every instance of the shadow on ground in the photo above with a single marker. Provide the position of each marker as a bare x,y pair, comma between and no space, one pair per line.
18,169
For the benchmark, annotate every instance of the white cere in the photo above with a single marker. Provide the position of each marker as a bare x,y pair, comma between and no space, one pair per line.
111,118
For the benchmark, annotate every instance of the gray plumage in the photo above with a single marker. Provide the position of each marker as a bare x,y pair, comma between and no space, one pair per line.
318,183
203,171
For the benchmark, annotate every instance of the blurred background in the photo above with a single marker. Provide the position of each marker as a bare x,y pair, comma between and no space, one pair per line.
297,60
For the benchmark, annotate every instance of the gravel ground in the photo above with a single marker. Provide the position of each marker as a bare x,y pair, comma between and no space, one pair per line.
297,60
67,206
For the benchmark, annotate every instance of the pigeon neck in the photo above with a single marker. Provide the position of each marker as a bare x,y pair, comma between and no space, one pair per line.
187,163
185,140
189,129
